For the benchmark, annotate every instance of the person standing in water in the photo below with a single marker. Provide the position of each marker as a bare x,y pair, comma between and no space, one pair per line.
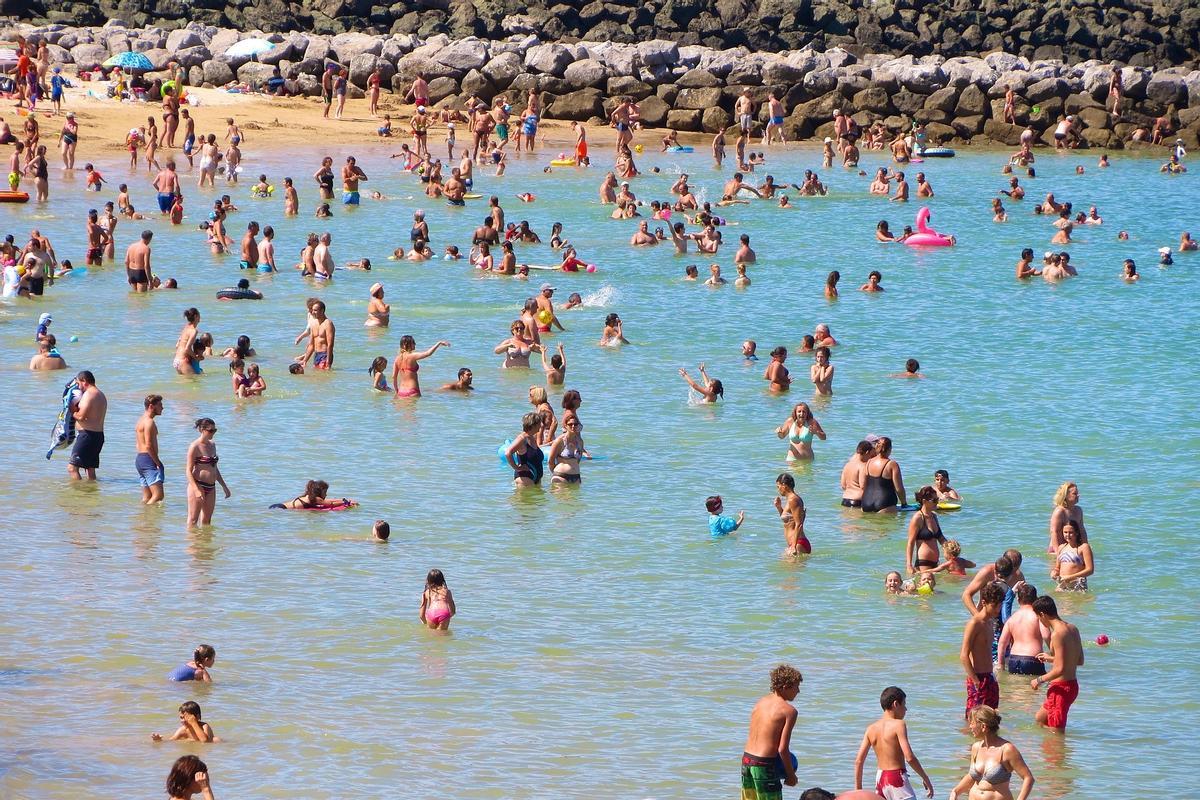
1022,636
790,508
203,475
437,602
888,737
1066,648
799,430
767,758
975,655
149,466
89,412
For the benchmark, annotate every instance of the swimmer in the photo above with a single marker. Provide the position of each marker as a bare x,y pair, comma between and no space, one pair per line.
924,189
831,282
912,369
1164,257
821,372
893,583
872,284
191,728
643,236
1129,272
952,560
614,332
691,273
405,366
882,233
742,280
799,429
556,367
573,301
1024,265
1073,561
945,492
888,737
462,383
715,278
1066,509
709,389
197,669
790,507
517,346
882,481
998,212
879,184
565,454
748,351
1014,191
378,374
924,529
437,602
524,455
776,372
313,498
379,313
719,524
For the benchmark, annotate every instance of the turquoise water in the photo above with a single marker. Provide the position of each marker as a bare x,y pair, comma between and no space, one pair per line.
604,644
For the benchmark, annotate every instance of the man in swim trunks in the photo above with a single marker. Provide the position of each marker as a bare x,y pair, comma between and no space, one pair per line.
581,147
137,263
149,466
743,110
455,188
975,655
546,304
419,91
97,238
167,184
1022,636
775,118
327,88
767,759
351,175
89,412
620,118
854,475
189,135
1067,648
249,247
321,337
888,737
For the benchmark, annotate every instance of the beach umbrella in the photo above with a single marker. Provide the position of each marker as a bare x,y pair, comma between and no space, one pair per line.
129,60
249,48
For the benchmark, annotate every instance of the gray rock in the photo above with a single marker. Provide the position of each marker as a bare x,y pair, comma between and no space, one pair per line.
58,55
476,83
159,57
655,74
621,59
1093,117
821,81
715,119
254,72
1135,81
873,99
1045,89
839,58
780,71
698,98
549,59
667,92
942,100
690,55
722,62
349,45
622,85
88,56
222,40
682,119
581,105
1095,80
217,72
318,48
1167,90
1003,132
399,45
696,78
308,85
183,38
653,110
287,50
920,78
464,55
502,69
1192,81
363,64
972,102
966,71
1006,62
658,51
441,88
806,60
587,72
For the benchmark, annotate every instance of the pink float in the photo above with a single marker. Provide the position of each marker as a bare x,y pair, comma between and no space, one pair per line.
927,236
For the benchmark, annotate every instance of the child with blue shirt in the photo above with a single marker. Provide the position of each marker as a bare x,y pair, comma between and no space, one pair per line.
718,524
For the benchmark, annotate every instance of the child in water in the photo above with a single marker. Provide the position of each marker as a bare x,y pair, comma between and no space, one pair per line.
952,562
191,728
381,530
718,524
378,373
945,492
437,602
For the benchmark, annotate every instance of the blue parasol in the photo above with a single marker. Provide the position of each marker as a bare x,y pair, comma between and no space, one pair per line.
129,60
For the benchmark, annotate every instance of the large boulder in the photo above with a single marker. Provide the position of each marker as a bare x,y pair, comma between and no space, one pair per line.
1095,80
183,38
658,51
159,57
654,111
88,56
820,82
1003,132
1006,62
217,72
972,102
621,59
699,98
502,69
967,71
1166,89
401,44
349,45
873,99
586,72
286,50
363,64
317,48
581,105
619,85
1045,89
253,72
697,78
478,84
715,119
222,40
942,100
1093,117
464,55
1135,81
441,88
549,59
685,119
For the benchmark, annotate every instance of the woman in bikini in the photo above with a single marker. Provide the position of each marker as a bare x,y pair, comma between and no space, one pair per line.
405,366
1073,562
203,475
799,429
314,497
1066,509
516,347
924,533
791,511
566,452
776,372
993,762
379,313
437,602
184,363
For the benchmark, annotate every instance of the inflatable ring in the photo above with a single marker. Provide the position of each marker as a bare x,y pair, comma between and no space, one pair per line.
171,84
948,505
681,148
255,193
471,196
502,452
238,294
14,197
563,162
936,152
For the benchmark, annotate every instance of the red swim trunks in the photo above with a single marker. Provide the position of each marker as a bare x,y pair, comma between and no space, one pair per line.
1059,697
983,691
893,784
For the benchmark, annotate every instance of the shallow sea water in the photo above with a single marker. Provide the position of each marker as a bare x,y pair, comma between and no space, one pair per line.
604,646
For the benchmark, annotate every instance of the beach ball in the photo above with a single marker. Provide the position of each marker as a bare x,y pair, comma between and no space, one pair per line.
73,339
1102,639
544,316
591,267
637,148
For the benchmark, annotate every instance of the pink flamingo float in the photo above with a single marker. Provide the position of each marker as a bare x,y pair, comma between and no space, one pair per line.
927,236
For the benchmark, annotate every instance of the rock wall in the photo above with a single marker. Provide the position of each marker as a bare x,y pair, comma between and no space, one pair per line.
1135,32
689,87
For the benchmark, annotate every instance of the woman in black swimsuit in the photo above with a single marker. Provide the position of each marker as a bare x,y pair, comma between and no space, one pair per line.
884,487
924,533
324,178
524,455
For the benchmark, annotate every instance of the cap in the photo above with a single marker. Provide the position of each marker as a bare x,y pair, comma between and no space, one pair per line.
871,438
58,69
44,318
828,140
1046,256
70,115
547,287
624,183
375,287
1162,251
421,109
1070,118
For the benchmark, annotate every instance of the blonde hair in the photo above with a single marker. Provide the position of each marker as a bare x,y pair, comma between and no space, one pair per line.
1060,496
952,548
987,717
537,395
